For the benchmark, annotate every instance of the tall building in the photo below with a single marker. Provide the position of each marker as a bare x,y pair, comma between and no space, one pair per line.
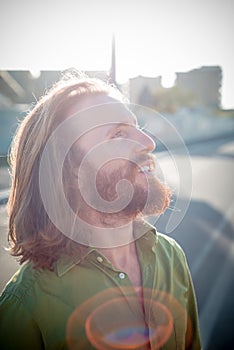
203,84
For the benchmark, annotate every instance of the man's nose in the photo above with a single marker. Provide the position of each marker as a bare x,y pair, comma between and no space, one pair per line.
145,141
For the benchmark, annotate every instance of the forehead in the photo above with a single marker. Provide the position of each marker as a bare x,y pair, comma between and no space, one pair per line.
93,123
103,111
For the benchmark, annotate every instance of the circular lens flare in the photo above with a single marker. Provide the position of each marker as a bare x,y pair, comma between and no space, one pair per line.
113,326
117,319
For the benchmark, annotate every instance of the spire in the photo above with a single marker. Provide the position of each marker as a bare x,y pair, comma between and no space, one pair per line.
113,63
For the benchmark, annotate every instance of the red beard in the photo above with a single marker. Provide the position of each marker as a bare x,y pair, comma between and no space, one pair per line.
150,195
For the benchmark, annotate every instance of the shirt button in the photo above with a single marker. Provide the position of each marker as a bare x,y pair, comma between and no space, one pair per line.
99,259
121,275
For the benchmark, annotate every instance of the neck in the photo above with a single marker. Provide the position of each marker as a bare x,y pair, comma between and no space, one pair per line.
120,256
112,237
105,232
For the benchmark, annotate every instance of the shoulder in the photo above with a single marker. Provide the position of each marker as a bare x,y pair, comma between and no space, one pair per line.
169,243
21,282
168,249
25,282
18,328
163,245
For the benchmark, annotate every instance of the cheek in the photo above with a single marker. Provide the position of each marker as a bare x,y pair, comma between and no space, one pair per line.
141,179
119,166
110,174
89,141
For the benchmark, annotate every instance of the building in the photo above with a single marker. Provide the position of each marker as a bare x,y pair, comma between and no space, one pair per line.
203,84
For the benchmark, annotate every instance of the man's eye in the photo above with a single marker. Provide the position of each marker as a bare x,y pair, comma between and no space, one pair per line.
118,133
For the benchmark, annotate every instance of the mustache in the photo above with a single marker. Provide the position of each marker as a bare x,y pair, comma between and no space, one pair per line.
142,158
128,171
135,164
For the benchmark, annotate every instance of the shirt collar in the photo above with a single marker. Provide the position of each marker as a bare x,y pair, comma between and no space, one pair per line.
142,230
66,262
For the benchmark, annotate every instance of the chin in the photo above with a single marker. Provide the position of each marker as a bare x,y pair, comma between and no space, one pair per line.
150,198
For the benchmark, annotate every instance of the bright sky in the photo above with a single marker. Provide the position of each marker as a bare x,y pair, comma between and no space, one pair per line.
153,37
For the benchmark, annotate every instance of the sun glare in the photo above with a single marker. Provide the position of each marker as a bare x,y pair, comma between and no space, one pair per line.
168,79
152,39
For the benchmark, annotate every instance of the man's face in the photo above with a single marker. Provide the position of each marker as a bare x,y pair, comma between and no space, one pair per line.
117,172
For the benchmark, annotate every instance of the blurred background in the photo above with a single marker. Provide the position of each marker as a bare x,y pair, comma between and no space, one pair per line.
174,62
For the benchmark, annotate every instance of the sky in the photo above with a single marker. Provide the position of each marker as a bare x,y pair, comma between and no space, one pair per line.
153,37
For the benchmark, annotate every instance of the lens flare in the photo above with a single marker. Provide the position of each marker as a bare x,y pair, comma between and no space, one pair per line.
113,326
117,319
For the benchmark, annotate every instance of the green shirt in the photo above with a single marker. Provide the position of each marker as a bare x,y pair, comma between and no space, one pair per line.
74,305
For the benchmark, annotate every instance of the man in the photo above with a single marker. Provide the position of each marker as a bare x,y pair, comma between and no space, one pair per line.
95,274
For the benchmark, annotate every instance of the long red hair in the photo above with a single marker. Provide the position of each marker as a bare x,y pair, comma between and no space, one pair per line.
32,236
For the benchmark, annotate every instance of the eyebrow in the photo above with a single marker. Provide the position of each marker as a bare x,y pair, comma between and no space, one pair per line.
121,124
131,122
